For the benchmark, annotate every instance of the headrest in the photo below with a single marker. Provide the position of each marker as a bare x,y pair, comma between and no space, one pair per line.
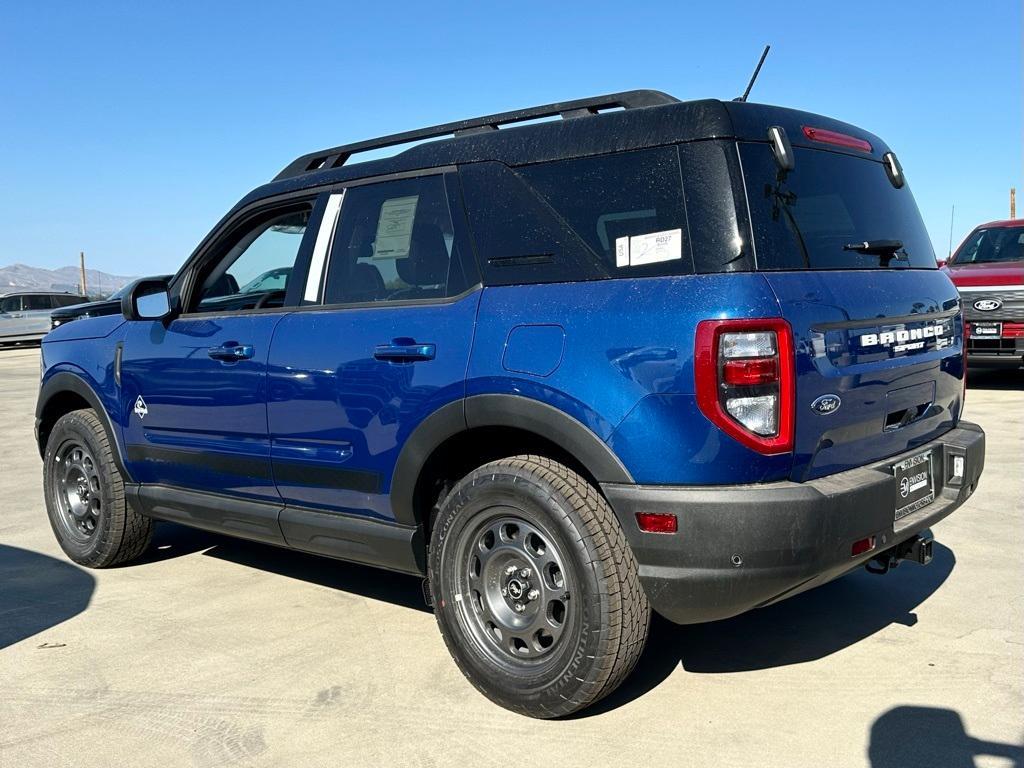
427,263
365,283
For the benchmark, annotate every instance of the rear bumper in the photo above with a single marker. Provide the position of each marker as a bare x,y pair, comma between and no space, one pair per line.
740,547
1007,353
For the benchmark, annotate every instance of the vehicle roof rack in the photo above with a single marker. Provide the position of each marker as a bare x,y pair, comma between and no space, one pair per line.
338,156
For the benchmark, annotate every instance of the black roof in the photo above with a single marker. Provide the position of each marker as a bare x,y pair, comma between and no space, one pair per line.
643,119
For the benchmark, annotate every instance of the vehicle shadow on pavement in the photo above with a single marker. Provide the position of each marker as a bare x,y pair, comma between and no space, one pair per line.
912,737
803,628
38,592
374,583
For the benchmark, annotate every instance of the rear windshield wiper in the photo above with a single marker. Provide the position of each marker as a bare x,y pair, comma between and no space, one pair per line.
885,250
875,247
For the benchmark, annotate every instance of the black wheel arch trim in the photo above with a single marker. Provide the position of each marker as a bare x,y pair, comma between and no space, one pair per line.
498,410
66,381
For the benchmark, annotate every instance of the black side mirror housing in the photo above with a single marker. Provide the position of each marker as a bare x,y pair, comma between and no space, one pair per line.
147,300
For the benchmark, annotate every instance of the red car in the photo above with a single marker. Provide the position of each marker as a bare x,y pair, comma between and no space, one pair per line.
988,270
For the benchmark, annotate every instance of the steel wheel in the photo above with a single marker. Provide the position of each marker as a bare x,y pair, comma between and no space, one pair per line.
77,491
515,590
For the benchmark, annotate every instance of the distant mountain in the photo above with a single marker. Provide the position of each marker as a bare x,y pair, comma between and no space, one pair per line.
21,277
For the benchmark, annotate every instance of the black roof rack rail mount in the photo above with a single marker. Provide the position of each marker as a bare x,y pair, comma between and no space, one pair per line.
338,156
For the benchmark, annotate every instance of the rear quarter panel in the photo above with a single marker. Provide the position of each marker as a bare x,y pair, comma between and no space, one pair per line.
625,368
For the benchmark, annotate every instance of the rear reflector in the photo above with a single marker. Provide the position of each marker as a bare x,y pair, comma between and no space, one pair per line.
862,546
833,137
657,522
1013,330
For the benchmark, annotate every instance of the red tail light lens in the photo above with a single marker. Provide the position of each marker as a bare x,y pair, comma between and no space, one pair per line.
833,137
743,372
749,373
1013,330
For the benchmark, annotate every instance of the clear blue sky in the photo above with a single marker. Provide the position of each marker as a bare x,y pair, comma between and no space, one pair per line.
127,130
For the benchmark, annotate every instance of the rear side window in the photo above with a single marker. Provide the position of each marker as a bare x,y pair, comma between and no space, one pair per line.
813,216
67,301
987,246
38,303
394,241
593,218
627,208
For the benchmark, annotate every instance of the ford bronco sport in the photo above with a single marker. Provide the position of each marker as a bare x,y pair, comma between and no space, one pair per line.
689,357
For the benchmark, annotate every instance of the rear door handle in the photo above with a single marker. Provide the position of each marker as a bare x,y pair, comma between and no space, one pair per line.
404,351
230,353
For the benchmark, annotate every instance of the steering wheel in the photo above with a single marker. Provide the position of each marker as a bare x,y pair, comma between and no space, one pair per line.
267,297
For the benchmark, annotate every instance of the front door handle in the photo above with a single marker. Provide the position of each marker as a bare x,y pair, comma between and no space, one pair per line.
231,353
404,351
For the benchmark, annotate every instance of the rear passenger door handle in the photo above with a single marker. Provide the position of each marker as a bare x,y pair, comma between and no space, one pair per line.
404,351
230,353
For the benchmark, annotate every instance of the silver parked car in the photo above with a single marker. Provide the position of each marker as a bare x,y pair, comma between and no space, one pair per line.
25,316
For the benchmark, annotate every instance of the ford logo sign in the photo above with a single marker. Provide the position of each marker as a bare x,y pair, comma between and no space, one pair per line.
826,404
987,305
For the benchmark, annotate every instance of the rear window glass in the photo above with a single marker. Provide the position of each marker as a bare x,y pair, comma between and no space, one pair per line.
810,217
627,209
988,246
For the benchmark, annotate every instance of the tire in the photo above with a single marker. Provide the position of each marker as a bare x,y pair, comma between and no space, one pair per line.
84,495
529,531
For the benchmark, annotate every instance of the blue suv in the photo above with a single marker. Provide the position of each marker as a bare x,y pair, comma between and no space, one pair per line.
643,355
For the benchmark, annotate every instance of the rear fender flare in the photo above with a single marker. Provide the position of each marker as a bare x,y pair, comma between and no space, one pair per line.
498,410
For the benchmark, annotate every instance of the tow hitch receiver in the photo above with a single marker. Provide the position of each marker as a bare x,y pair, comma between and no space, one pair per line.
917,550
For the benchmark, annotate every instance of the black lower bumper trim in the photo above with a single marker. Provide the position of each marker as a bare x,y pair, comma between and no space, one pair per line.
740,547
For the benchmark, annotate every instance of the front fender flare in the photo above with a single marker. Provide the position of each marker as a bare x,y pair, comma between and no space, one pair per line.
66,381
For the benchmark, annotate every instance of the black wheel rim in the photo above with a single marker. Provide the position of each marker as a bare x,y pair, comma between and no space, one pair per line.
514,591
77,491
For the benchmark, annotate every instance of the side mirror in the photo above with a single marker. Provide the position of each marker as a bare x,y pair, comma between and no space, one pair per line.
148,300
940,263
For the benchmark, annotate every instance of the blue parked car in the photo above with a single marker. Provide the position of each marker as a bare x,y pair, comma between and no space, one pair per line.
683,357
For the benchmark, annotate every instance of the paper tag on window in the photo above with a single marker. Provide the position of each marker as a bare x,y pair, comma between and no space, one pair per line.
394,227
654,247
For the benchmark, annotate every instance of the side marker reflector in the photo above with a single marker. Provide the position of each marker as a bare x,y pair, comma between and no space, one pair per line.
657,522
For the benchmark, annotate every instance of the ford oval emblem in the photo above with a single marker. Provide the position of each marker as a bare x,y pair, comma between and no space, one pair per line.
987,305
826,404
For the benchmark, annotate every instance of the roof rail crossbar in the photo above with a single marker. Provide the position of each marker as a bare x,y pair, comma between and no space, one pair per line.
338,156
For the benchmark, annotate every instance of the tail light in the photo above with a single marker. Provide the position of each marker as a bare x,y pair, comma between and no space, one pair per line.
1013,330
744,379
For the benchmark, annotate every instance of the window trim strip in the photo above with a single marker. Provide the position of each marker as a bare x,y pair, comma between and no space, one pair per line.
324,236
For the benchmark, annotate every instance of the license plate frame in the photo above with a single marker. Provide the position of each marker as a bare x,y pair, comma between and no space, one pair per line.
981,330
912,491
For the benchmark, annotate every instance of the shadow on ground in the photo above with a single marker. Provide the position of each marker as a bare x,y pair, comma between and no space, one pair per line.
809,626
806,627
173,540
38,592
912,737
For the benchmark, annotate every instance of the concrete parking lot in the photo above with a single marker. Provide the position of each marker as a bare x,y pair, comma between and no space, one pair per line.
218,652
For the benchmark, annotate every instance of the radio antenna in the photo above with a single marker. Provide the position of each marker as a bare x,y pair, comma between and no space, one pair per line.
753,77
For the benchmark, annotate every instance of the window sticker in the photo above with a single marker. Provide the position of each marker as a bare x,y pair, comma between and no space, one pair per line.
649,249
394,228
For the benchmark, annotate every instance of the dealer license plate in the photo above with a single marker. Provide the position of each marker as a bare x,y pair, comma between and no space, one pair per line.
914,486
988,330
